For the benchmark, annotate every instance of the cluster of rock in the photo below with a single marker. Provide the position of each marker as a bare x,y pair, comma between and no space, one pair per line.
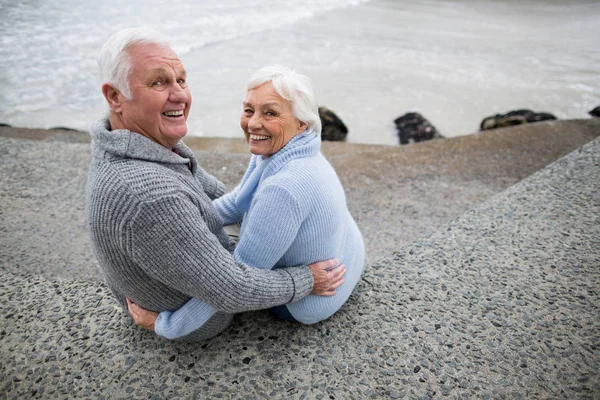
412,127
516,117
333,128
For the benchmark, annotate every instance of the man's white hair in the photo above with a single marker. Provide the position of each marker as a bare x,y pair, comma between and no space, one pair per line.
294,87
115,63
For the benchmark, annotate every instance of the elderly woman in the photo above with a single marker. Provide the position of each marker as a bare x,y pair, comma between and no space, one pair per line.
290,203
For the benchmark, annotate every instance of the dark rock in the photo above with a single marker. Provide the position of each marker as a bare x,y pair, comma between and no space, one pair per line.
3,124
595,112
414,127
511,118
333,127
63,128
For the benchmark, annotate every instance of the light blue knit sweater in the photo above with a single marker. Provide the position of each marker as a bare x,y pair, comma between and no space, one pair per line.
293,212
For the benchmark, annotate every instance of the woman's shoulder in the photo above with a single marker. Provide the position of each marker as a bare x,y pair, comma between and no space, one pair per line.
303,175
313,167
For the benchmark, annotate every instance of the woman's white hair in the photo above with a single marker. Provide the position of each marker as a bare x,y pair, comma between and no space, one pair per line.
115,63
294,87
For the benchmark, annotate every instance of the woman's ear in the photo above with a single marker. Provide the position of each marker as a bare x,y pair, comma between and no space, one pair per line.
301,126
112,97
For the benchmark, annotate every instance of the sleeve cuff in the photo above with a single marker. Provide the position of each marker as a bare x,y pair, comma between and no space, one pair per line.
219,188
161,323
175,324
303,282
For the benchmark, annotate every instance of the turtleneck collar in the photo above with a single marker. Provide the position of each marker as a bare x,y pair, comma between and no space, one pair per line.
305,144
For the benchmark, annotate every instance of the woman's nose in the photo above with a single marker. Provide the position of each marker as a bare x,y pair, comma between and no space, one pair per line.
254,122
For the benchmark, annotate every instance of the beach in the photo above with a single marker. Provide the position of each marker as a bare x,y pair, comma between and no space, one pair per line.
454,62
481,279
481,273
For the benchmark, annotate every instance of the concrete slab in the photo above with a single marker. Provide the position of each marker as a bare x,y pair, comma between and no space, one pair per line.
500,302
396,193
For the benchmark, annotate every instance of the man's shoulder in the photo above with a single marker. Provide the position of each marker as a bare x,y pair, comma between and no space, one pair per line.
135,178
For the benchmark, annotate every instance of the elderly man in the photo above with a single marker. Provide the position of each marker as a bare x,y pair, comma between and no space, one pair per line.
153,227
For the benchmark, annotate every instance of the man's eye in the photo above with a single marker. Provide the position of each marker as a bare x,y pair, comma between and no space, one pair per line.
182,82
247,111
157,83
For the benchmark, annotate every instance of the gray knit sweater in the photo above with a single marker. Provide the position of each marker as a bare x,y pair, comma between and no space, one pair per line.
159,240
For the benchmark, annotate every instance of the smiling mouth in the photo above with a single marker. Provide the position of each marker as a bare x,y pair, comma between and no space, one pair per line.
173,114
259,137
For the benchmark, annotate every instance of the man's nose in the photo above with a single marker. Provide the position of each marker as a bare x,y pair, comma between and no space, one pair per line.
178,94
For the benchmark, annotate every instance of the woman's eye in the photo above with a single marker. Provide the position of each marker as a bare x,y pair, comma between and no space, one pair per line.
247,111
270,113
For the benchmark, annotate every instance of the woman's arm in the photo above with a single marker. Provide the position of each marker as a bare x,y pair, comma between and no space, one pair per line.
270,227
227,209
227,205
191,316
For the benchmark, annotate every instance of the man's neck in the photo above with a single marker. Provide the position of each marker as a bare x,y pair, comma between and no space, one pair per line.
117,123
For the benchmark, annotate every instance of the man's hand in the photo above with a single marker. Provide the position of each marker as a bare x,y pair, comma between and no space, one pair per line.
328,276
142,317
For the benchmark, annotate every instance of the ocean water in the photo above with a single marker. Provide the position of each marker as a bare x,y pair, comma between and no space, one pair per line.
371,61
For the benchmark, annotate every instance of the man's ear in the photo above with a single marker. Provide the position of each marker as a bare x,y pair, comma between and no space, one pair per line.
112,97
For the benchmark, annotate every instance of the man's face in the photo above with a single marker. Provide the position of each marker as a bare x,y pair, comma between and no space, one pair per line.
161,99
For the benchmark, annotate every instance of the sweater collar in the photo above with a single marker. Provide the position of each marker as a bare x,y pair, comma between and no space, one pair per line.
305,144
124,143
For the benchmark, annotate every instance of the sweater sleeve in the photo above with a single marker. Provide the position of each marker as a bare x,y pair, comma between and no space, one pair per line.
271,226
170,241
191,316
227,209
213,187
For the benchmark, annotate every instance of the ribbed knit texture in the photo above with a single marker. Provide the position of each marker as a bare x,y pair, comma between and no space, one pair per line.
159,239
293,212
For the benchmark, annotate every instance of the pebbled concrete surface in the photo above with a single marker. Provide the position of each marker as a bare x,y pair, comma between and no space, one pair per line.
501,302
396,194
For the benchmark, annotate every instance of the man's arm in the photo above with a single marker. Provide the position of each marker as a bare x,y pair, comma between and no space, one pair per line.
213,187
171,242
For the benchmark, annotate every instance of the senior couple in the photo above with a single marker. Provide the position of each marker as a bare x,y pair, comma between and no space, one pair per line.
156,217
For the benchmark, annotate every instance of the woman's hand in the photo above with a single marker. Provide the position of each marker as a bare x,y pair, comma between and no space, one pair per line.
328,276
142,317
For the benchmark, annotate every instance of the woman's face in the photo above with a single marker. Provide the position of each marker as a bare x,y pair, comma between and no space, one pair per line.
268,120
